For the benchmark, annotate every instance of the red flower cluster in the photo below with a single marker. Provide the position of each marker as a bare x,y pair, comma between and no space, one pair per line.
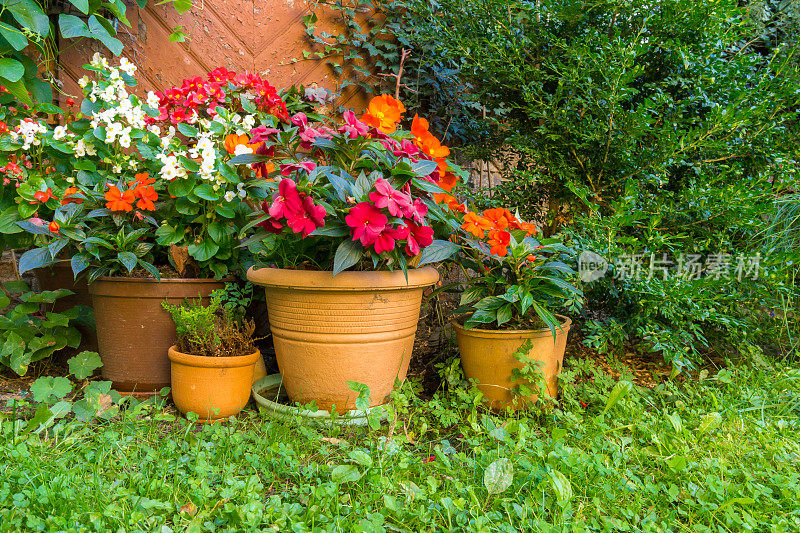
184,103
296,209
371,227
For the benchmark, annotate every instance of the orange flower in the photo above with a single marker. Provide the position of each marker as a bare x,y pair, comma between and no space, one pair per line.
68,196
43,196
476,225
384,112
119,201
498,217
499,241
448,181
147,195
434,148
233,140
528,227
53,227
419,128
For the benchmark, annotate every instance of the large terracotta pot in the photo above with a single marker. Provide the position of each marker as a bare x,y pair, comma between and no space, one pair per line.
355,326
59,276
488,357
134,332
212,387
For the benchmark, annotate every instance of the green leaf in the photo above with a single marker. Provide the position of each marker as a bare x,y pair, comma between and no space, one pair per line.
128,260
181,187
423,168
362,401
167,235
498,476
332,229
188,130
709,422
82,5
481,316
18,89
15,38
361,457
562,487
47,386
35,258
620,390
216,231
345,474
71,26
84,364
204,250
438,251
29,14
347,254
207,192
101,33
182,6
11,69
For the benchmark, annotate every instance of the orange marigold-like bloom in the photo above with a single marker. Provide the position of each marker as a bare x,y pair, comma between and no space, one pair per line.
448,181
476,225
384,112
499,241
69,196
119,201
528,227
498,217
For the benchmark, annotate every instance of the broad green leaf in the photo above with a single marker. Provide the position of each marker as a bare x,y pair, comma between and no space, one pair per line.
84,364
363,399
498,476
35,258
561,486
361,457
82,5
101,33
46,386
29,14
71,26
15,38
438,251
11,69
345,474
709,422
347,254
128,260
204,250
620,390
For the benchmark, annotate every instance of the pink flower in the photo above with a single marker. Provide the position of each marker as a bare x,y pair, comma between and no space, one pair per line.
309,134
407,149
36,221
299,119
416,211
418,238
307,219
352,126
261,134
287,169
367,222
385,241
286,201
393,200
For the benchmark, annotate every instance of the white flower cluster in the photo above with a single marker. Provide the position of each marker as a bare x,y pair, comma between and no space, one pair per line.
115,90
204,149
171,167
29,132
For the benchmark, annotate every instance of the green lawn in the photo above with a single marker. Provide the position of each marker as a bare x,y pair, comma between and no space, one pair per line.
658,460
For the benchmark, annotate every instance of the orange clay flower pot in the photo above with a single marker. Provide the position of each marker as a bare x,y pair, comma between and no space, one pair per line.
355,326
488,357
134,332
211,387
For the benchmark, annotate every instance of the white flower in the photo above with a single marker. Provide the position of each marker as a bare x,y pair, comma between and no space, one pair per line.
59,132
242,193
84,81
152,100
248,122
80,148
229,196
125,138
154,129
99,61
126,66
116,169
242,149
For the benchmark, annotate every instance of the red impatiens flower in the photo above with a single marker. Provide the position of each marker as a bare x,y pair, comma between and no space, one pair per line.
390,198
119,201
416,211
418,238
385,240
44,196
287,169
286,201
353,127
367,222
307,219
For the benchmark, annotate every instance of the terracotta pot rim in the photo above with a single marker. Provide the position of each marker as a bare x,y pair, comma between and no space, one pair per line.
528,333
370,280
212,362
128,279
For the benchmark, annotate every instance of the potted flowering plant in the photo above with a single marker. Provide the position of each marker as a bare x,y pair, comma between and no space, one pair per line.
353,209
151,207
213,360
510,341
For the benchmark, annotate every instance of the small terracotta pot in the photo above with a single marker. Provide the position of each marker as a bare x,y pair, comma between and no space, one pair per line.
134,332
355,326
212,387
59,276
488,357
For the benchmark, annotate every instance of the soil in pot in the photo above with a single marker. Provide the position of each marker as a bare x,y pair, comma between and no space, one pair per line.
488,357
211,387
134,332
353,327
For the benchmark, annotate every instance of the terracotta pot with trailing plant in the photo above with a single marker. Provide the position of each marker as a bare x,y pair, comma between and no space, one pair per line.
511,343
213,360
353,210
145,214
